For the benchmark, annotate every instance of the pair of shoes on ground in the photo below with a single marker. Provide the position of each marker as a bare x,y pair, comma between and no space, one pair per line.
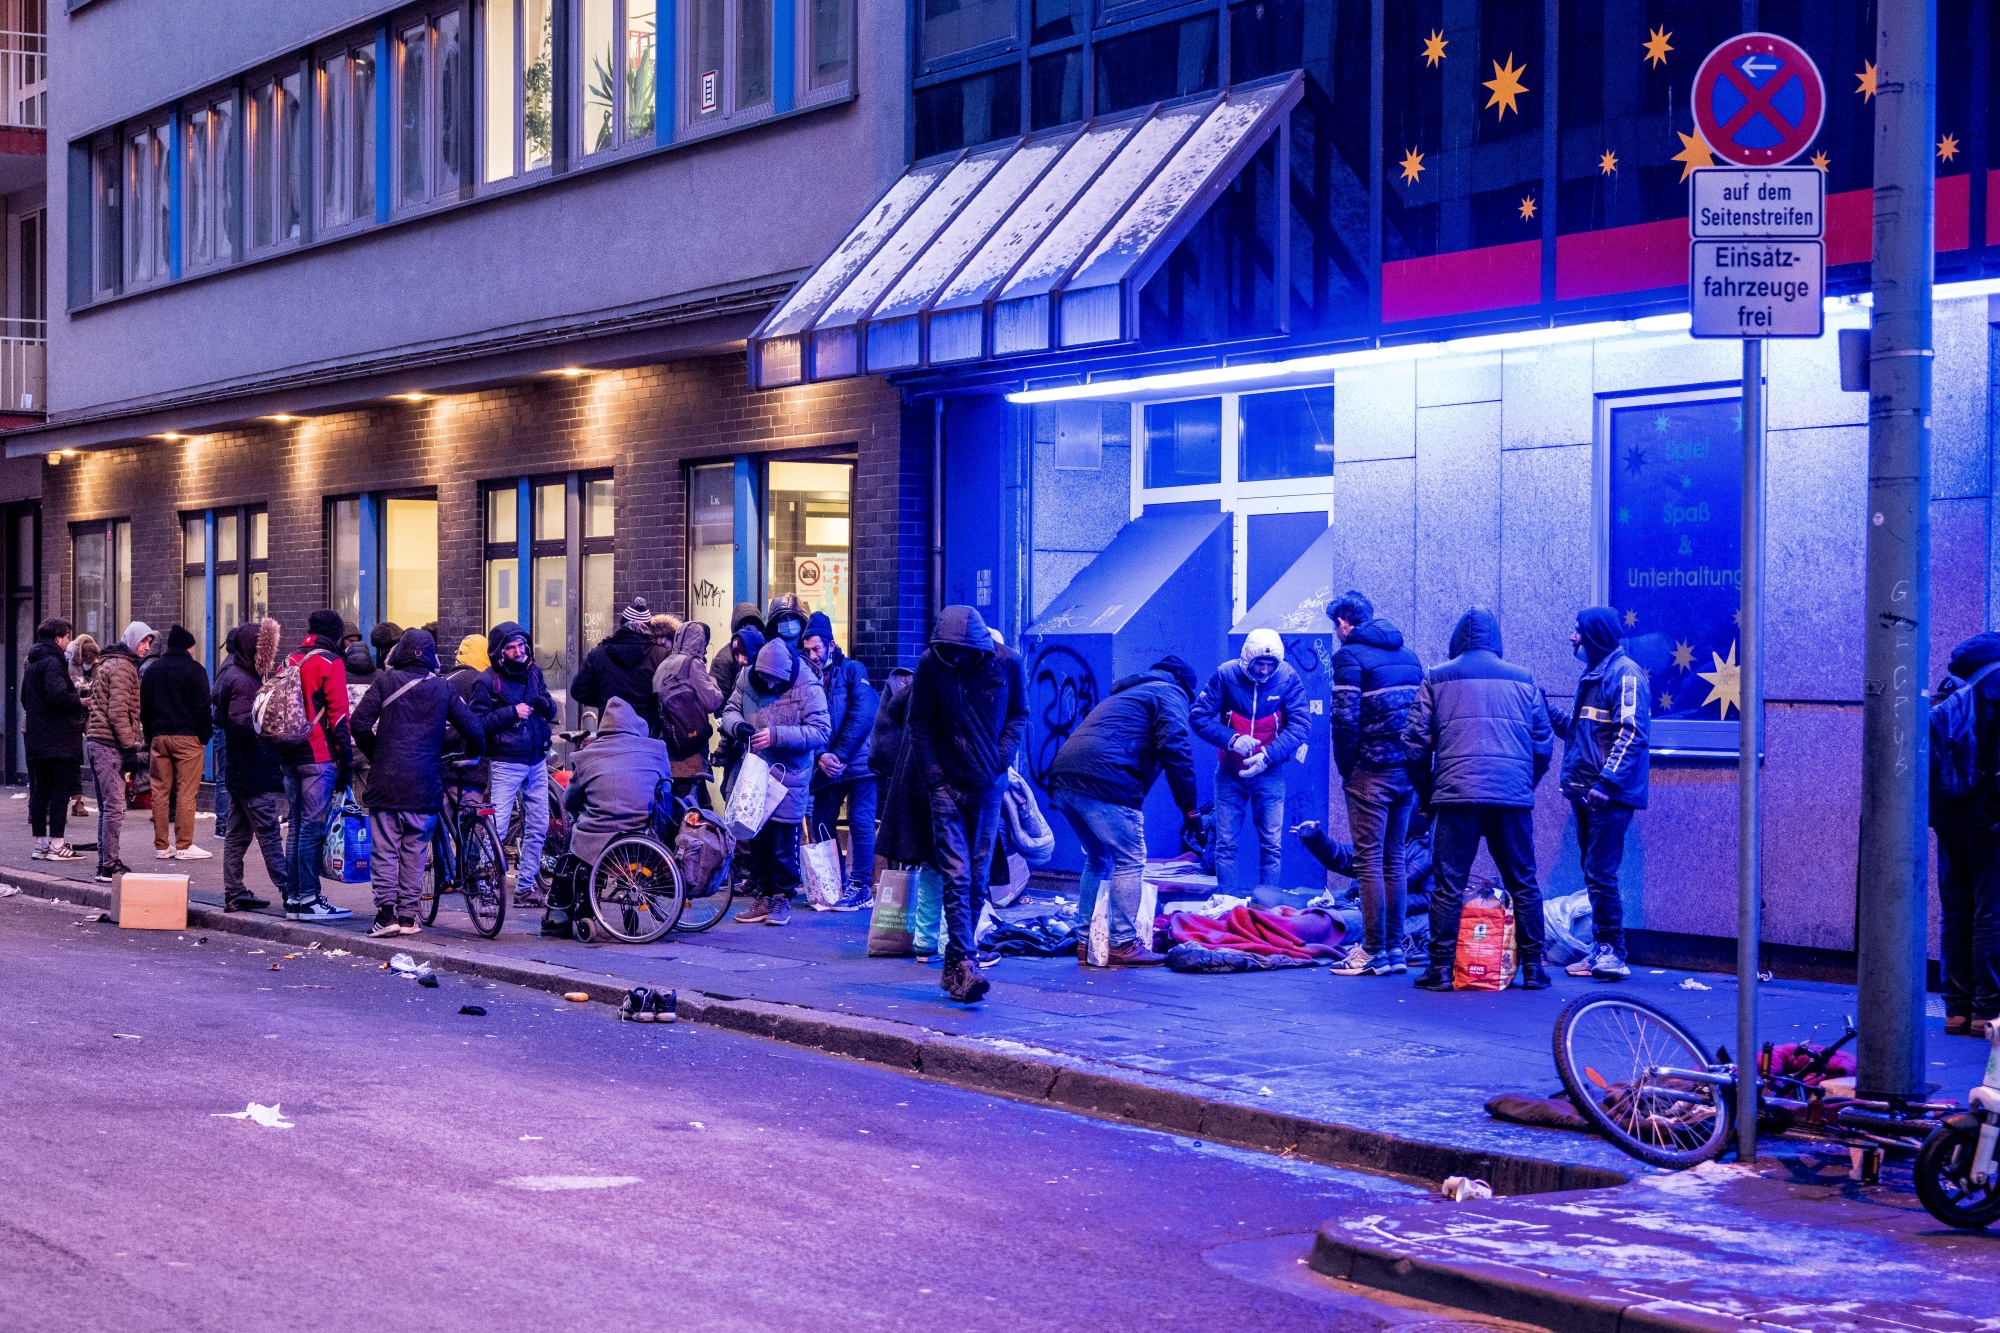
107,871
53,849
964,982
316,908
772,910
643,1004
1604,962
1360,963
856,898
1133,954
1435,978
387,923
187,853
245,902
1965,1025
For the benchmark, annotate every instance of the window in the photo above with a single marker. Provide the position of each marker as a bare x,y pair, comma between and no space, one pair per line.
503,555
106,194
347,137
382,559
956,115
712,547
565,527
148,202
277,156
619,76
101,577
208,184
194,582
343,558
1285,435
242,585
729,73
1670,473
1155,64
1184,443
433,110
953,26
600,605
31,289
409,561
1055,89
829,43
809,537
519,72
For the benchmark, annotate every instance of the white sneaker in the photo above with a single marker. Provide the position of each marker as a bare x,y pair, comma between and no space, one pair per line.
193,853
163,854
1580,968
1355,964
61,851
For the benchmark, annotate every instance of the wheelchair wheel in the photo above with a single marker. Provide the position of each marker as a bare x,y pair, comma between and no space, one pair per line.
584,929
482,877
703,910
635,890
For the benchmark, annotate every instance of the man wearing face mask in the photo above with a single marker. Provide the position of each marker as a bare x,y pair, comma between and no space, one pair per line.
1606,749
1253,710
786,622
779,711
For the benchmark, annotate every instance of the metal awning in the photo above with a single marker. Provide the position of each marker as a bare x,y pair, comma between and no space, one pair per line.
1019,248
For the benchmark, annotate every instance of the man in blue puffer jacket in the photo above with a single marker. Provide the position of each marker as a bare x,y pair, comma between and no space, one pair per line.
518,731
1375,680
1253,710
1479,741
841,774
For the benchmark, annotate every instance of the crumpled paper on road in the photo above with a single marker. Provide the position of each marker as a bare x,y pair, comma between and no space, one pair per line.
270,1117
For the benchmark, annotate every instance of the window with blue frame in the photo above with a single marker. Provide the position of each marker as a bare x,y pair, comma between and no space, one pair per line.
618,74
969,111
1156,64
1184,443
1285,435
954,26
346,123
208,183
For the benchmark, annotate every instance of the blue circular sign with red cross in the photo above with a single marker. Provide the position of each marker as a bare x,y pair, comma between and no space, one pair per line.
1758,100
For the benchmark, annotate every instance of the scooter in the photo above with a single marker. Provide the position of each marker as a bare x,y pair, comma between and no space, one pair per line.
1956,1175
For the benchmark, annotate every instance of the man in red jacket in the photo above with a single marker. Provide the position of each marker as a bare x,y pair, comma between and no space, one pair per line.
317,766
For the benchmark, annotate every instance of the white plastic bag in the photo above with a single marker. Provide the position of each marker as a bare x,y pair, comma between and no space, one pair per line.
759,791
825,880
1097,936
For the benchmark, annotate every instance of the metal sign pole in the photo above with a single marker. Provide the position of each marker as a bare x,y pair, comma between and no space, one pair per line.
1750,741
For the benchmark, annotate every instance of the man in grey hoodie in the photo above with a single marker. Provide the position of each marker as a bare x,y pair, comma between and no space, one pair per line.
779,712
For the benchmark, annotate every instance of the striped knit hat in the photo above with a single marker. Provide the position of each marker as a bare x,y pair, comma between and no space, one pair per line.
637,614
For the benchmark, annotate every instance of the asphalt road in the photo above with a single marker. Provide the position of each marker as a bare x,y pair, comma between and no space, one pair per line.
544,1167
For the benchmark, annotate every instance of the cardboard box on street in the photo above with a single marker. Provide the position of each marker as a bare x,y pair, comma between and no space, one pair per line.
150,902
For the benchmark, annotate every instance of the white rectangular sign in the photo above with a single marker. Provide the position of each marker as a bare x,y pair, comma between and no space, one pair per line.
1757,203
1757,289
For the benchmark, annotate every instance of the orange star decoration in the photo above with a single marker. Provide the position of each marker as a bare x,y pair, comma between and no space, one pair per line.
1527,209
1947,148
1507,87
1694,153
1413,166
1656,46
1866,78
1434,46
1822,161
1608,163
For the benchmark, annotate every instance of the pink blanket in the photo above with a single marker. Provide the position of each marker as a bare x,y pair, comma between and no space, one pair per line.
1286,932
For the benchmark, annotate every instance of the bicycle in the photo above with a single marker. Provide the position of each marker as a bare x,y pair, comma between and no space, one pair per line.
466,857
1649,1085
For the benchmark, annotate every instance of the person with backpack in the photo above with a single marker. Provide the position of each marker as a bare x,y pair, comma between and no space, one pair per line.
1253,710
52,735
841,775
113,739
468,680
688,697
1479,741
778,711
401,726
617,667
254,777
518,730
1606,761
1100,779
309,694
174,708
725,664
1964,810
1375,679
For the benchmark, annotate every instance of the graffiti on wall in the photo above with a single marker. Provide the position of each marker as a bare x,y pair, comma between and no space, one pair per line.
1062,689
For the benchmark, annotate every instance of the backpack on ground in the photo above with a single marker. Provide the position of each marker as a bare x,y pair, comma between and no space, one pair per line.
682,717
280,713
1958,771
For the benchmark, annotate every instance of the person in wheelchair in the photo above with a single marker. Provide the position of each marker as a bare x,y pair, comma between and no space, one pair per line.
612,783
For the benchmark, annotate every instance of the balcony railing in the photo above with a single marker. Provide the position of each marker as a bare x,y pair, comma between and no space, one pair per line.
24,366
24,79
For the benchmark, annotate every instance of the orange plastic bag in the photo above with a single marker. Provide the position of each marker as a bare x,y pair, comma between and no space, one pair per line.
1486,956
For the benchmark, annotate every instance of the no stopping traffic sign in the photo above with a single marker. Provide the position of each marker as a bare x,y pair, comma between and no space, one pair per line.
1758,100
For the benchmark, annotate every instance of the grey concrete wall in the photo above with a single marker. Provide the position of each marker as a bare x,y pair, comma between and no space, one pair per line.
752,205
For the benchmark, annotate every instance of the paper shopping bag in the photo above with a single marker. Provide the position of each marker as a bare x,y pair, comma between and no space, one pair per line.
889,927
825,878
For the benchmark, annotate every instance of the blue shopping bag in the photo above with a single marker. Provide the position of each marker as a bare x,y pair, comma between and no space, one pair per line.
348,842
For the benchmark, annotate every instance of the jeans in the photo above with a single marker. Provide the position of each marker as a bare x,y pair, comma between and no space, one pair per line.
530,782
51,782
1600,834
107,768
1264,798
309,793
220,763
769,862
859,795
253,815
1969,921
963,829
176,783
1114,851
399,857
1509,832
1379,801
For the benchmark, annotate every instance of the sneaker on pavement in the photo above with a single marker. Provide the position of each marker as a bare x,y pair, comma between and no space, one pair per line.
1356,962
987,957
1393,964
62,851
1534,977
635,1008
1580,968
385,923
105,874
857,898
1134,954
245,902
664,1006
193,853
779,911
407,925
964,983
163,853
756,913
1606,964
1434,978
316,909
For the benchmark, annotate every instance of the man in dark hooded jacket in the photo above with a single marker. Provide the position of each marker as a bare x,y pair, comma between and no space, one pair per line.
968,710
618,667
1375,680
841,774
1099,781
1606,744
400,725
1479,742
518,728
255,778
724,665
688,698
1969,854
785,621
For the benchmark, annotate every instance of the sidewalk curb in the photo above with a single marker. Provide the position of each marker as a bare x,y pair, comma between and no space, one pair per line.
1090,1087
1506,1293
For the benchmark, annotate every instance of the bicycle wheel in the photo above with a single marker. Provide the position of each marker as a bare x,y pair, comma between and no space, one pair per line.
635,890
439,882
704,908
1943,1166
482,876
1606,1051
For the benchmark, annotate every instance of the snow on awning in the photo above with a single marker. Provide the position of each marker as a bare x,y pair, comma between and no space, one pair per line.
1020,248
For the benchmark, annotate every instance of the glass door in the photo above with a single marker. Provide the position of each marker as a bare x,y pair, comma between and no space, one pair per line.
809,538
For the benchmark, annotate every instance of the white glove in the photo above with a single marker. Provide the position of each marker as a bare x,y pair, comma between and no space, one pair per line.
1243,745
1256,763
